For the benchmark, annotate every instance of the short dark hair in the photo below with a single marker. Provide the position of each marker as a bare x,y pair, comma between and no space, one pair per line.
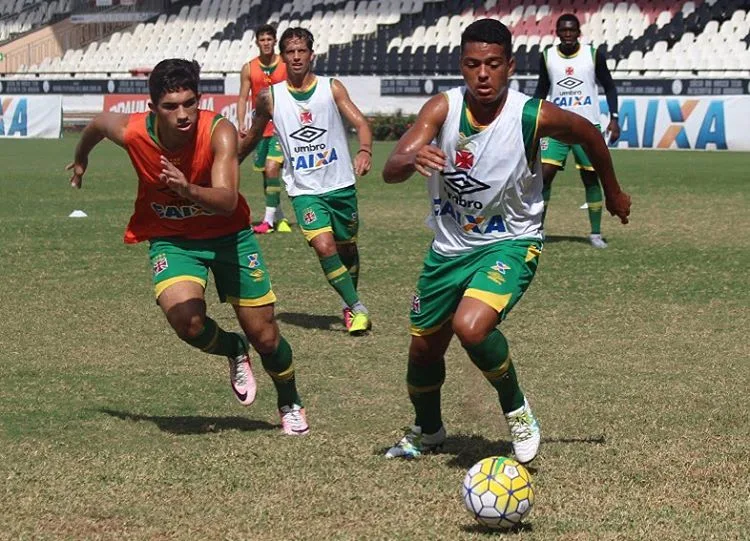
265,29
488,31
171,75
568,17
299,33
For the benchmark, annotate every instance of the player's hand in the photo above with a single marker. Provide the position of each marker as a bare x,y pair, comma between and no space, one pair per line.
614,130
619,205
173,178
428,160
242,132
362,163
78,168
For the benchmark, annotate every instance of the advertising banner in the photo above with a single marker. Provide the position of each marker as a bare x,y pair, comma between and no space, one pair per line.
224,104
700,123
31,117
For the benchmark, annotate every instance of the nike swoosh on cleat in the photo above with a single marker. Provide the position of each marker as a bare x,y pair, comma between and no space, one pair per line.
241,396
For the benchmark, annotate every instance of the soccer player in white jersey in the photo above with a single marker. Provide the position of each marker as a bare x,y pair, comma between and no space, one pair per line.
568,75
318,170
485,183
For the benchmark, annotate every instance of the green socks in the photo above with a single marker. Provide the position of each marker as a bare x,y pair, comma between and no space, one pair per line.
272,189
280,367
216,341
351,262
594,203
423,382
492,357
340,279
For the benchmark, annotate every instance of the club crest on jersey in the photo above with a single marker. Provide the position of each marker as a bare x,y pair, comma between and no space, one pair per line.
253,261
500,267
309,216
305,117
464,159
569,71
159,264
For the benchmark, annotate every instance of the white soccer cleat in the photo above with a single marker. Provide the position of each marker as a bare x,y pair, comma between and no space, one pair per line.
414,443
525,433
293,420
597,241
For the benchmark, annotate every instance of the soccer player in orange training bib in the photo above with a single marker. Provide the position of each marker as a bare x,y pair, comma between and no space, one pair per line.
190,211
485,186
261,72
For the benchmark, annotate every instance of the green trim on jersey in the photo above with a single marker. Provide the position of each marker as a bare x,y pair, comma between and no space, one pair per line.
465,127
530,127
306,95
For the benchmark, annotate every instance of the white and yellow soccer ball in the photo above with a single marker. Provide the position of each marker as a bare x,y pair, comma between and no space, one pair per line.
497,491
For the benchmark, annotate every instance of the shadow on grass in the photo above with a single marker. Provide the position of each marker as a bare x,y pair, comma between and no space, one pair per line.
312,321
565,238
479,529
467,450
193,424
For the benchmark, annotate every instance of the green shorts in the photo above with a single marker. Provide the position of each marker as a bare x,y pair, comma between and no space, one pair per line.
235,260
334,212
555,152
497,275
268,149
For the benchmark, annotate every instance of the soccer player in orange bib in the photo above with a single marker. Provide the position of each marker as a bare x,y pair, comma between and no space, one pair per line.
189,209
261,72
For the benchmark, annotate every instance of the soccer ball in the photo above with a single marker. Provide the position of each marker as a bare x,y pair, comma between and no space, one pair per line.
497,491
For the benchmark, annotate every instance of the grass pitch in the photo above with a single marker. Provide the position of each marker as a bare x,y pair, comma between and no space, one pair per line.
635,359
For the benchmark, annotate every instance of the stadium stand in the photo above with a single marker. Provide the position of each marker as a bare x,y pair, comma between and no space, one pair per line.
20,16
418,37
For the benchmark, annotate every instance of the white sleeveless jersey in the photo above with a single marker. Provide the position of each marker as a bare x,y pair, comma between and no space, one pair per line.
312,136
489,191
573,81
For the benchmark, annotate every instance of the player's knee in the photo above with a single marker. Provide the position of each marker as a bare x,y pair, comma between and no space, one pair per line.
188,325
470,333
324,246
273,169
264,338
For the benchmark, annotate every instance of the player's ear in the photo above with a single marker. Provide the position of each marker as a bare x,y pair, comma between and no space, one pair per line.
198,99
151,106
511,66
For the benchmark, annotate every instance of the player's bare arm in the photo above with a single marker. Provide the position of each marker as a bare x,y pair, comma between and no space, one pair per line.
242,101
221,196
352,114
414,151
263,113
573,129
104,125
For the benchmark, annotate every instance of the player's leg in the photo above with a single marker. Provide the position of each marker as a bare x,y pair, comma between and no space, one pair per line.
314,216
180,274
438,292
274,161
502,276
259,165
594,195
261,328
345,225
554,155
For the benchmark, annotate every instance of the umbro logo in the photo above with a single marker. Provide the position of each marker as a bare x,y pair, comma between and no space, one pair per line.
569,83
307,134
462,183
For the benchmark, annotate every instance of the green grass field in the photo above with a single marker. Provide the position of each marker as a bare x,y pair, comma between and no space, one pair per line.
635,359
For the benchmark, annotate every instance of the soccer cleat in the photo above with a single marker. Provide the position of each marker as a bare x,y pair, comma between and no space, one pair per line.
241,377
262,228
414,443
348,316
293,420
360,323
597,241
525,433
283,226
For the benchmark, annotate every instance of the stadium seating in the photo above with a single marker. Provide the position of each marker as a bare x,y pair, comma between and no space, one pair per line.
422,37
20,16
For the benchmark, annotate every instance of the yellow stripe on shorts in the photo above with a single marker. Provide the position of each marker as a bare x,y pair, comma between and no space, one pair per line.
498,302
268,298
161,286
310,234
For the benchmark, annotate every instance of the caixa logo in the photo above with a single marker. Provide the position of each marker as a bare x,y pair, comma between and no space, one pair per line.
14,117
672,123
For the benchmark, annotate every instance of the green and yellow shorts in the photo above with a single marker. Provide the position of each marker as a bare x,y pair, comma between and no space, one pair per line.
497,275
334,212
235,261
556,153
268,148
